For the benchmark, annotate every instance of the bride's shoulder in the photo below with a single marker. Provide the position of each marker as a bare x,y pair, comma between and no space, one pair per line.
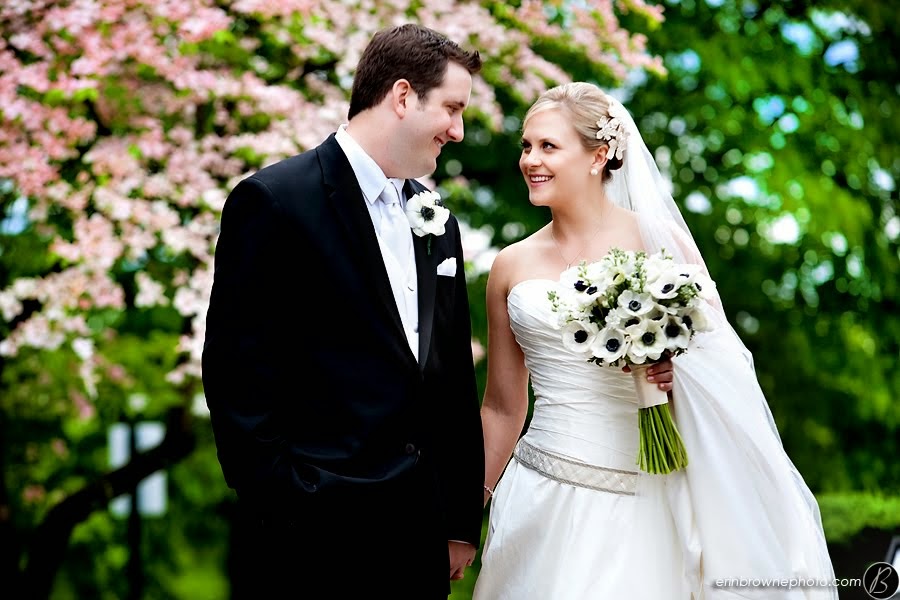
525,248
517,260
508,259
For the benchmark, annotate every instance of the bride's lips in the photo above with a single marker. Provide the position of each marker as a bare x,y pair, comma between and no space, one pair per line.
538,180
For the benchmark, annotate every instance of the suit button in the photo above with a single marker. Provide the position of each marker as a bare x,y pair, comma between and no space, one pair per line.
410,448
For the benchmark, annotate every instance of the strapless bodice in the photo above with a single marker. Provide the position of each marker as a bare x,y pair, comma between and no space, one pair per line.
581,410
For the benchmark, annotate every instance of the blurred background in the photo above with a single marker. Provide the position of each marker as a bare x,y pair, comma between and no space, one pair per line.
125,124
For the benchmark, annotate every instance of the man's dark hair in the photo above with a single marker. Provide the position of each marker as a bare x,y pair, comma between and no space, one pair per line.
412,52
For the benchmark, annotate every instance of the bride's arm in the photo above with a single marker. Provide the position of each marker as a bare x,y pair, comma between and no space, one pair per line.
505,403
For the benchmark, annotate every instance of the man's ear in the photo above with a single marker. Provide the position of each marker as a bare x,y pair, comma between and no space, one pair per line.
400,96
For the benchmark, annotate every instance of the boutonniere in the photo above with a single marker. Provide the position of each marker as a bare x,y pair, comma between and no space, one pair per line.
427,215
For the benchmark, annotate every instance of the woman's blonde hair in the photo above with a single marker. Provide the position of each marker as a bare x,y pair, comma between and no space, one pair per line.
584,103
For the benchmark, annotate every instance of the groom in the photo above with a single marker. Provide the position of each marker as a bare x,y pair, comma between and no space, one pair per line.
337,364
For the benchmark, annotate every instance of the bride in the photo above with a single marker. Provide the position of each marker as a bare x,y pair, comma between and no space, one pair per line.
572,517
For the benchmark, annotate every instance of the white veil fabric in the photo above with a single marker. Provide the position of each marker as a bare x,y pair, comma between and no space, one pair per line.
748,523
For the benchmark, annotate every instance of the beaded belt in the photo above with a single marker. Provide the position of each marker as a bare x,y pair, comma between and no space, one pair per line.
566,470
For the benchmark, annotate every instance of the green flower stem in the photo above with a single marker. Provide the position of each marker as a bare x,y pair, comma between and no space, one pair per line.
656,439
661,448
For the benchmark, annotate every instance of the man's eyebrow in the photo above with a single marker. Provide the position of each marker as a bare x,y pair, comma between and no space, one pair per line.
457,104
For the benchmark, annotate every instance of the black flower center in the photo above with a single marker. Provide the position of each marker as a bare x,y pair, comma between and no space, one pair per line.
632,321
634,305
581,336
427,213
672,330
580,285
668,288
648,338
613,345
592,290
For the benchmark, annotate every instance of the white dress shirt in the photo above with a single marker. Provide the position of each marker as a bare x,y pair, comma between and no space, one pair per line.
401,269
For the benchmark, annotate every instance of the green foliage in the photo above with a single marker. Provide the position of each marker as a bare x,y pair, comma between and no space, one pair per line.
846,514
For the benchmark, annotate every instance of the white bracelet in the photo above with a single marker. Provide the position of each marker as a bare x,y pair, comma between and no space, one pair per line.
489,491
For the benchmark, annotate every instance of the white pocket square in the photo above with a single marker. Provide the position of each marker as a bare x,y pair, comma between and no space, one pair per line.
448,267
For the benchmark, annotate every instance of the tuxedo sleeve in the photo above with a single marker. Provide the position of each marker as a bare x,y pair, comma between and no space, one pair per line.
241,368
463,464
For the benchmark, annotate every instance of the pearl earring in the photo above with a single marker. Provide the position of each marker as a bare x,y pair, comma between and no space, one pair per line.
594,171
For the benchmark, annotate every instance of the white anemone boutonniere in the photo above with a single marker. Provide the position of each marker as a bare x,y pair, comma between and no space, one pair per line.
427,215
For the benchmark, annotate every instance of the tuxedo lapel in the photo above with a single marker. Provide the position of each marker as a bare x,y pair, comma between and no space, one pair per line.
426,274
347,201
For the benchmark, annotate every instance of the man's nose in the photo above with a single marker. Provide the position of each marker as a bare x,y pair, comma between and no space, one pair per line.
455,132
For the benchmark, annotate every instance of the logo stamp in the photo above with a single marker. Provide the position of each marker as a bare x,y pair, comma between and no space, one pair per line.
881,581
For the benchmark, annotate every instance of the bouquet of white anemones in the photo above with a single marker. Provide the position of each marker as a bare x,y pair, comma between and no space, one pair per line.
633,309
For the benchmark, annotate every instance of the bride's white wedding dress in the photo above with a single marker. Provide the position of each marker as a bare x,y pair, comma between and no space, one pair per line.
572,518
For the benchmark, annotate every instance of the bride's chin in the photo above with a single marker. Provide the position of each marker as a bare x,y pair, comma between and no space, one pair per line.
536,199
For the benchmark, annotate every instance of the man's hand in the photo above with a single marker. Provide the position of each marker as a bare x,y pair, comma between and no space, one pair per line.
461,556
661,374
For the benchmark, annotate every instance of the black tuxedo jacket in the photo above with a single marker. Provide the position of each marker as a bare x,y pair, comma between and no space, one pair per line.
310,382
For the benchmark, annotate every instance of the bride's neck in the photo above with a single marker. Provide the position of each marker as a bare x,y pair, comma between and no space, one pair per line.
580,223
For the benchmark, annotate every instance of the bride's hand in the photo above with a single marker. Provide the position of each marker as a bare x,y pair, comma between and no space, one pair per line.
661,373
461,556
